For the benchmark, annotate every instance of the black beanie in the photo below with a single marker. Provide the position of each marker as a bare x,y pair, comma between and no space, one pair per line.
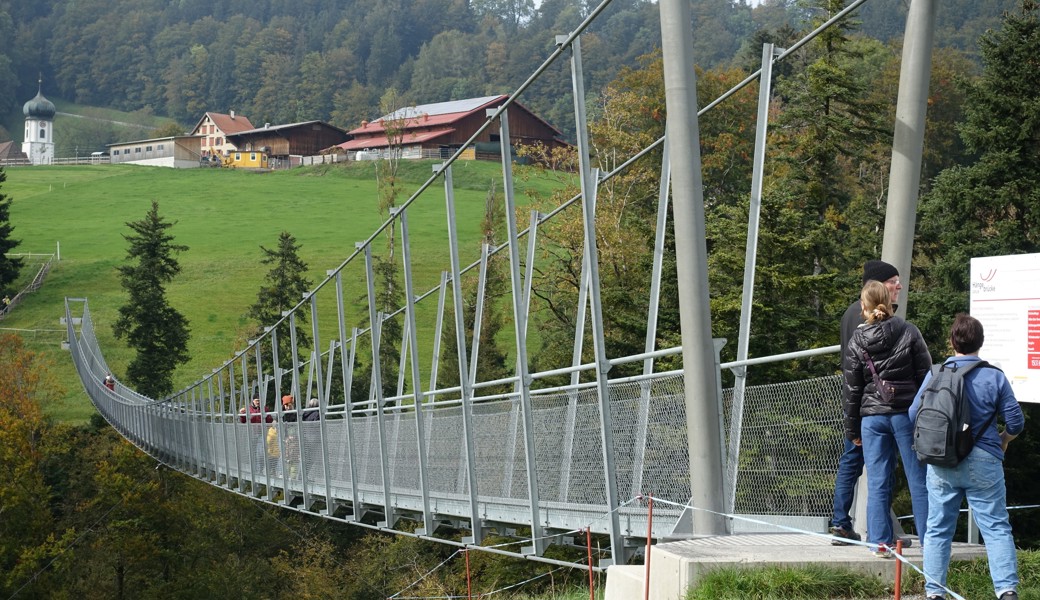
878,270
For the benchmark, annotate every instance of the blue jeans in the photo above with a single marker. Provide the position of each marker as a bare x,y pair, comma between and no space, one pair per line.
882,434
980,478
850,467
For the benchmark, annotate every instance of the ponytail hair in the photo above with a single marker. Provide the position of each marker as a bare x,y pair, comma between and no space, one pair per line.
875,300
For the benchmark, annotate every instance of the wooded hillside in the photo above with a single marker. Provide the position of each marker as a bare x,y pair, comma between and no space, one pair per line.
281,62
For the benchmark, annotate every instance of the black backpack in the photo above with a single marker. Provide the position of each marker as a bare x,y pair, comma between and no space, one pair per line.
942,432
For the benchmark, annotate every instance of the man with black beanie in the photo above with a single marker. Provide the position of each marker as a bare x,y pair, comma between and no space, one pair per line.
850,466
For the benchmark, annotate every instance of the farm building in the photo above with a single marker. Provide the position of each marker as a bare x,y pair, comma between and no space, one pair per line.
289,142
245,160
438,130
10,153
214,128
179,152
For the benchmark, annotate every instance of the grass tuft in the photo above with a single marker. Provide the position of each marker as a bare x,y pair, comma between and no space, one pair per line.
770,583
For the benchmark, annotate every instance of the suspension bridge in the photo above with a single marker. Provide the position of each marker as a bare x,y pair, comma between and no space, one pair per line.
540,454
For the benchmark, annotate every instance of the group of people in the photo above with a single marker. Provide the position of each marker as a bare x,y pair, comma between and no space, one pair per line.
269,444
882,350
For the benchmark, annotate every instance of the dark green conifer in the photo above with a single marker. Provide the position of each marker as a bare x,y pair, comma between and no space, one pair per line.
9,267
156,330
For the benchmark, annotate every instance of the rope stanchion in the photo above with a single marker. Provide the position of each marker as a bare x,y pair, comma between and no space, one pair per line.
588,545
469,583
649,538
899,569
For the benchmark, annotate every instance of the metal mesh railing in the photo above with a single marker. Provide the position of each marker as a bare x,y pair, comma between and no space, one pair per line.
791,441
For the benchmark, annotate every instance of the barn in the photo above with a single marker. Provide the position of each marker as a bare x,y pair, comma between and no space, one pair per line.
179,152
439,130
289,142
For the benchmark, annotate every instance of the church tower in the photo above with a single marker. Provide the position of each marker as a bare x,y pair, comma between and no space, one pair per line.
38,143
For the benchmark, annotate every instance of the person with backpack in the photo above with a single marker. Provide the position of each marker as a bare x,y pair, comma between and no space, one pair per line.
978,476
884,364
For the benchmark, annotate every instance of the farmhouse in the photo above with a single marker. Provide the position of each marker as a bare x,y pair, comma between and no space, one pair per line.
10,153
214,128
438,130
179,151
289,142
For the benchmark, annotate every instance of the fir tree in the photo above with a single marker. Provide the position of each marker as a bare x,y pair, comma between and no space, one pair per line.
283,289
9,267
991,206
156,330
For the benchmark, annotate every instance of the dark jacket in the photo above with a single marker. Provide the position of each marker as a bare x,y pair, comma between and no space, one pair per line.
899,354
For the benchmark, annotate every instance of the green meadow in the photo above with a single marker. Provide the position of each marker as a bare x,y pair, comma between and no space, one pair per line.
224,216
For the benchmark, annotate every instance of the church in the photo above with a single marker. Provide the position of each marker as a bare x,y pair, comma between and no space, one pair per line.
38,143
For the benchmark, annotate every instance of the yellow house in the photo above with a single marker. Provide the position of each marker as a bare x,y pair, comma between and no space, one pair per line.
246,160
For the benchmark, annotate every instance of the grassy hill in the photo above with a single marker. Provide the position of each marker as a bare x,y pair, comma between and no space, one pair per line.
84,129
223,216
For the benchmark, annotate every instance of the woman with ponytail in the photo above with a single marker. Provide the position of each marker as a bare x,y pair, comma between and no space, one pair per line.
885,363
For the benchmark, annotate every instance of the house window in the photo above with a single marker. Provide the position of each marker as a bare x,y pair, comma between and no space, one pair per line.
238,156
43,133
147,148
160,146
219,141
252,157
137,150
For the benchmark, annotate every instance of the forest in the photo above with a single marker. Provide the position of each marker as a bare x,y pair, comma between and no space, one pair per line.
276,61
152,533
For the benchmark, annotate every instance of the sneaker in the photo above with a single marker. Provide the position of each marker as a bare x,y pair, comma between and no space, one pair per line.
883,551
907,541
1009,595
935,597
841,532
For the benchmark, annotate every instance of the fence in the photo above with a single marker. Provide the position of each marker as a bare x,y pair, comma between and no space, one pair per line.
8,304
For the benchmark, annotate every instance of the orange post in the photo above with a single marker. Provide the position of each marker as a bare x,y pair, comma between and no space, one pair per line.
899,569
588,544
469,585
649,537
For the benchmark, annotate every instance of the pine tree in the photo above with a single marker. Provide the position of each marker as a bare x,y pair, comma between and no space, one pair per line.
991,206
9,267
156,330
820,219
284,287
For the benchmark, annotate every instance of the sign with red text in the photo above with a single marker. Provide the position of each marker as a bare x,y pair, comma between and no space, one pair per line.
1005,297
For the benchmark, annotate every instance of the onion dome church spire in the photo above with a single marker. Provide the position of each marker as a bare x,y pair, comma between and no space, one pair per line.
38,143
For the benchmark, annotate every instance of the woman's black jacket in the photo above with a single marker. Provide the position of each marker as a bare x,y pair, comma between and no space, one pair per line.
899,354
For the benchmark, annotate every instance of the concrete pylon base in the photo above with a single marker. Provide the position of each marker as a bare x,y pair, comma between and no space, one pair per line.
675,566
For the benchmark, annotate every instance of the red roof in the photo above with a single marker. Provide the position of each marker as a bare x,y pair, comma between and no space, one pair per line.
226,123
380,141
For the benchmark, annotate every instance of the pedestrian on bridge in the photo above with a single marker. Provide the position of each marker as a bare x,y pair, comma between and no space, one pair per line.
884,366
979,478
850,465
